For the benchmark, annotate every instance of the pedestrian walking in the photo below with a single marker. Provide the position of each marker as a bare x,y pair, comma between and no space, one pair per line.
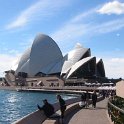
94,99
83,100
62,106
87,95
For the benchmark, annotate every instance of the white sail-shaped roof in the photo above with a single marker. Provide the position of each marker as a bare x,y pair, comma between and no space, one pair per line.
57,67
74,56
78,65
66,66
24,68
43,56
24,59
44,51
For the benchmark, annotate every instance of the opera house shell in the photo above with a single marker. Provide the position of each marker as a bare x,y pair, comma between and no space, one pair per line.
45,58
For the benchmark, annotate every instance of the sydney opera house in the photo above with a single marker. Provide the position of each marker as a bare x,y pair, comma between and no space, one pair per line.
44,58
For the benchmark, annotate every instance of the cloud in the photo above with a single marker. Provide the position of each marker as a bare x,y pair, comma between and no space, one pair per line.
4,48
75,28
10,57
6,62
114,7
69,32
83,15
114,67
107,27
40,9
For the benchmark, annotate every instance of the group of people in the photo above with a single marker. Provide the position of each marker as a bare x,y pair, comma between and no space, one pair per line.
108,93
85,99
49,109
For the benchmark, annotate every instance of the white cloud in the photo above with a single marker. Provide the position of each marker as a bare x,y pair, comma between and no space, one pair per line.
9,59
72,31
74,27
114,67
6,62
6,50
107,27
120,60
114,7
69,32
40,9
84,15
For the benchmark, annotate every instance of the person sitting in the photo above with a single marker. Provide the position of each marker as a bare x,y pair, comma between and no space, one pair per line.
47,108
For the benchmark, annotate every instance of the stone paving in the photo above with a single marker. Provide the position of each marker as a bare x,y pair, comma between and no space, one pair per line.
89,115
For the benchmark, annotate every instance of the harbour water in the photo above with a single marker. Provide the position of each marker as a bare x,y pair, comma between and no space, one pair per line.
14,105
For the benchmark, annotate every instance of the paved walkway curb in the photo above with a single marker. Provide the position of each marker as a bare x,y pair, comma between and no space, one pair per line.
90,115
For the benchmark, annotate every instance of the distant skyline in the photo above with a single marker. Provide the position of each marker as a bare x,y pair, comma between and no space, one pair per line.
96,24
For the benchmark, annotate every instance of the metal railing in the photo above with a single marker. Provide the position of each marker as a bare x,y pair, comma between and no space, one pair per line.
116,110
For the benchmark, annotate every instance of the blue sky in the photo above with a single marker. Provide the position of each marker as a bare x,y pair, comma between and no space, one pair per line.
96,24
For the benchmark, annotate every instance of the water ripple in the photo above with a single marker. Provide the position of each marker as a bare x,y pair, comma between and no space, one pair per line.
15,105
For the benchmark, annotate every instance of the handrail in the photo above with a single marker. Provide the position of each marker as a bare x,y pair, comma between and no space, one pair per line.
115,113
117,108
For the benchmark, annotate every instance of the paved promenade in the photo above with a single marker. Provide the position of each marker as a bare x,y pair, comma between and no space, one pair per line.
90,115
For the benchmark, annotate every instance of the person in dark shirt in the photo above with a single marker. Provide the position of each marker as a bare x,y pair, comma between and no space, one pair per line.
62,105
47,108
87,96
83,100
83,97
94,99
